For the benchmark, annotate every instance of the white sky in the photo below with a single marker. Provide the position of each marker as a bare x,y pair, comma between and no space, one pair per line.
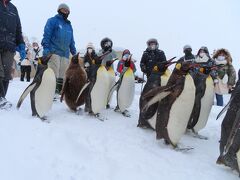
130,23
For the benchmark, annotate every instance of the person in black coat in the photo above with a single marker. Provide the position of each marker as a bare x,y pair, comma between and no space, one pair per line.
187,50
151,57
10,39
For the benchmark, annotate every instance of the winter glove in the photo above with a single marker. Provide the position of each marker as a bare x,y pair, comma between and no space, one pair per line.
21,49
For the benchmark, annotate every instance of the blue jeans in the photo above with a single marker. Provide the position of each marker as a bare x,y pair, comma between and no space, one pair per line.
219,100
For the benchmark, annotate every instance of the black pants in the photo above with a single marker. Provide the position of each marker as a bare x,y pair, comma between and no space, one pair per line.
25,70
6,62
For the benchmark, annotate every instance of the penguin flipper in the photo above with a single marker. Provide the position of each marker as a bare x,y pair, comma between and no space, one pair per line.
153,92
115,87
224,109
24,94
84,87
156,99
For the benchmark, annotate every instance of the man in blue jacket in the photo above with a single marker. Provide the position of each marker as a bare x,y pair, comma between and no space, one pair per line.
58,40
10,39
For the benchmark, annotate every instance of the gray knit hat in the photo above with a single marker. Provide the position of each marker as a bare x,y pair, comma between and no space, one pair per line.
186,47
63,6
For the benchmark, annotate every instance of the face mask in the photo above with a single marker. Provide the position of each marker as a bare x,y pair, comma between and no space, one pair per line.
221,58
65,16
202,54
90,51
125,57
188,52
153,46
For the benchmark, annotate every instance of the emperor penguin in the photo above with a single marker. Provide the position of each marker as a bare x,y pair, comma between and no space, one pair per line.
176,101
74,82
42,89
204,98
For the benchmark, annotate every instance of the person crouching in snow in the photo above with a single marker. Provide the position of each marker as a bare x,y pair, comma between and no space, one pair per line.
123,65
226,74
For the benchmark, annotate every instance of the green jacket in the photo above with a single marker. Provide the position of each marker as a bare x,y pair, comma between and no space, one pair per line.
230,71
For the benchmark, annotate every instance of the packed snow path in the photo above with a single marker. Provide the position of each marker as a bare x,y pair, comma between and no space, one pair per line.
79,147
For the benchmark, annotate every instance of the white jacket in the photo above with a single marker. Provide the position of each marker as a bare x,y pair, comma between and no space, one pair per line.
25,62
36,55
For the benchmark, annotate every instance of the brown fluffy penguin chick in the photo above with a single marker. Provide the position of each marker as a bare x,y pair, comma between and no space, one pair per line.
75,79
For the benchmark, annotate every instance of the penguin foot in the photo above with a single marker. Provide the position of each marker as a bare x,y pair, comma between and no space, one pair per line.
44,119
229,161
126,113
117,109
196,135
183,149
98,116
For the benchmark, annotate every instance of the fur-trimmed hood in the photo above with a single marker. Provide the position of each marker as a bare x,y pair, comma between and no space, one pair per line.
227,54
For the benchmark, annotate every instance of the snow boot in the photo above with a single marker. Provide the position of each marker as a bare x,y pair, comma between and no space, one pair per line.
4,104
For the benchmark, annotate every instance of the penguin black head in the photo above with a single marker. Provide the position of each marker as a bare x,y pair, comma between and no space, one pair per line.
44,59
77,60
183,67
74,59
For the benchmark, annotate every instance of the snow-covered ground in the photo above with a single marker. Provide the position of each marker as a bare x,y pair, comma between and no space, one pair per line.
79,147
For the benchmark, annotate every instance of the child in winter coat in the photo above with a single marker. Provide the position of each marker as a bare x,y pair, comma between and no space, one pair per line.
125,62
226,74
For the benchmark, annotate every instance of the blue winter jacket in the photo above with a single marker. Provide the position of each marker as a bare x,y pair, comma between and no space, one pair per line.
58,37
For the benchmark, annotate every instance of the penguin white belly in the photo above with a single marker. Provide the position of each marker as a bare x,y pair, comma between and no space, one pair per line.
126,91
181,110
45,93
206,105
99,91
238,159
165,77
152,121
112,81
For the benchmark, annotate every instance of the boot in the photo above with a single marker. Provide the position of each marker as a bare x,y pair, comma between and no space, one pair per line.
5,85
2,89
59,85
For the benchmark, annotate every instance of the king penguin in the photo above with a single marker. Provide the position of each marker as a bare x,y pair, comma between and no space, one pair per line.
204,98
176,101
156,79
41,90
126,89
74,82
100,90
